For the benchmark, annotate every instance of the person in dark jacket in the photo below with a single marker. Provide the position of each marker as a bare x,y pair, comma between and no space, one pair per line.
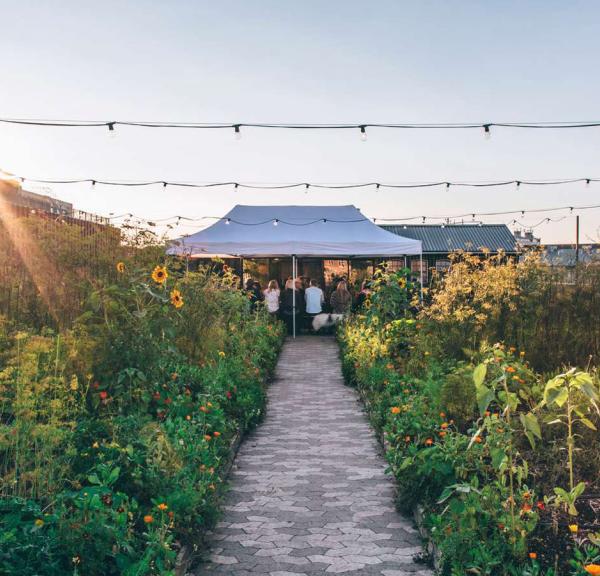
254,292
287,306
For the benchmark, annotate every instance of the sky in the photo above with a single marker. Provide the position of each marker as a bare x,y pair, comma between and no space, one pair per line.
334,61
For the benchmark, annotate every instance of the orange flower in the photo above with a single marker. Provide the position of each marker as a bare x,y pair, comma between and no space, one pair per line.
442,414
395,410
160,274
442,433
487,413
510,369
162,507
478,439
207,437
389,366
176,298
573,528
429,441
216,434
407,438
148,519
120,267
444,425
526,508
593,569
533,555
203,409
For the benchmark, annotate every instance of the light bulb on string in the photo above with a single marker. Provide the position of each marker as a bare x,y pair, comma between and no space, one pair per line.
363,133
228,221
238,133
487,133
517,185
587,182
276,222
111,130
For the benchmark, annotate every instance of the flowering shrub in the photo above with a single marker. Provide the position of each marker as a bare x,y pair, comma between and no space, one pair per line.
114,435
474,436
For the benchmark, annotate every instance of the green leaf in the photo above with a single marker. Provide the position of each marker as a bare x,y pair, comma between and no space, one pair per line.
578,490
557,396
589,390
93,479
484,397
479,374
588,423
531,424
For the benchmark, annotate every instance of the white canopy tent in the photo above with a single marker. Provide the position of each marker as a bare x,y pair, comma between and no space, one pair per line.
295,231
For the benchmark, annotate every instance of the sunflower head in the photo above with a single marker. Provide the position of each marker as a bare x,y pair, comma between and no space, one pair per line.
176,299
120,267
160,274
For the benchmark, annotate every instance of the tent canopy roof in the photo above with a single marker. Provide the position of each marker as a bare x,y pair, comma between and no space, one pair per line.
250,231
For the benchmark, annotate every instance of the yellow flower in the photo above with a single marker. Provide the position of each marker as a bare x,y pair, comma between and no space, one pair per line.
74,385
120,267
222,354
176,299
39,522
162,506
160,274
573,528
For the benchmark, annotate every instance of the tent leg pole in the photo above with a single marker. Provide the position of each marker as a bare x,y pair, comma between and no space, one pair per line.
294,296
421,272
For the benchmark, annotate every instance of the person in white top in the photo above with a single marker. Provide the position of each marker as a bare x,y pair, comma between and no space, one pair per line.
314,301
272,297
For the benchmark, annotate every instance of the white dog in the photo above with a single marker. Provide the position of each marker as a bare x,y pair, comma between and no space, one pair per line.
326,321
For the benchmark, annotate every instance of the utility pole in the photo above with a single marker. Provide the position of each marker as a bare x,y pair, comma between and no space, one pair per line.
576,240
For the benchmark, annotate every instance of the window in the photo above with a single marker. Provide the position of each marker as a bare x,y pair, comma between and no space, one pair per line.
415,268
442,265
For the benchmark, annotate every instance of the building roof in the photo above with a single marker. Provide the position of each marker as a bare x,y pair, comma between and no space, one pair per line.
261,231
565,254
443,239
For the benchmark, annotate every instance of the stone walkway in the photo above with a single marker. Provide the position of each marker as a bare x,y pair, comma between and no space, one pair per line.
308,491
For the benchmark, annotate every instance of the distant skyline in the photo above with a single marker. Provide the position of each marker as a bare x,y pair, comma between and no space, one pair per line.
316,62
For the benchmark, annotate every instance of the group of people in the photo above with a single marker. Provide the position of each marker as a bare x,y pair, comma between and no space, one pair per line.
300,300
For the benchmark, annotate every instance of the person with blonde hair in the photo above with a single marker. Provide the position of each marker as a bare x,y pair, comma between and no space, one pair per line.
272,294
341,299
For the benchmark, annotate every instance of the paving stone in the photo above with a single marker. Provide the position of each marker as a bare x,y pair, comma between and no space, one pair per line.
308,491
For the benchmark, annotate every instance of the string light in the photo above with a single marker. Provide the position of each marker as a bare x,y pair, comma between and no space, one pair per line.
276,222
486,126
111,130
324,186
228,221
487,134
238,132
363,133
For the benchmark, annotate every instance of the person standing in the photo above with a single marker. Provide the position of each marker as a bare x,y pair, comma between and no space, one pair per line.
272,294
291,293
341,300
314,301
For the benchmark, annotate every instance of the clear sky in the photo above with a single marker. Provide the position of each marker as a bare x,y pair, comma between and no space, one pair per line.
310,61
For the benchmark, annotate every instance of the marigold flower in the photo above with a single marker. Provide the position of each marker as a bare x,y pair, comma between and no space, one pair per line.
540,505
573,528
478,439
160,274
429,441
395,410
533,555
222,354
39,522
171,514
444,425
162,506
510,369
176,298
207,437
526,508
120,267
527,495
442,414
148,519
442,433
593,569
216,434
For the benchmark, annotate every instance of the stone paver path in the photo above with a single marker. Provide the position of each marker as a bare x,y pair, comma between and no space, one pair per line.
308,490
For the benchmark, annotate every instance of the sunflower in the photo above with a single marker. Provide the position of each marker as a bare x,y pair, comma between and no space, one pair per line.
176,299
160,274
120,267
